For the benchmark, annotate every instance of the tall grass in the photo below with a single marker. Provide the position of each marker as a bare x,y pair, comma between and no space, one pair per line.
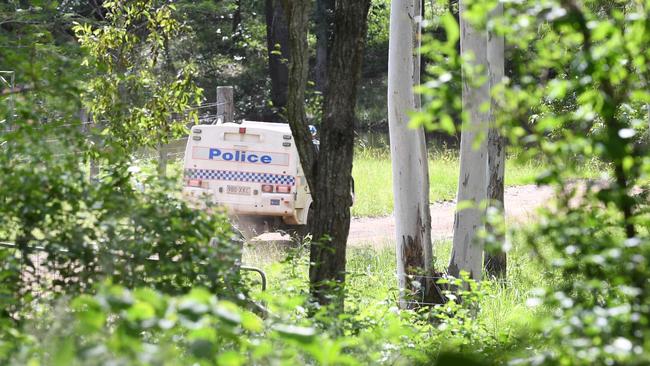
371,280
372,172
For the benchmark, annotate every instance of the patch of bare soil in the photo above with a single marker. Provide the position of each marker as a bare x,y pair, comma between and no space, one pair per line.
520,204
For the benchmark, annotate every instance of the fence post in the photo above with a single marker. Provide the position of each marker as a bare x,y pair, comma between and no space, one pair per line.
225,103
162,161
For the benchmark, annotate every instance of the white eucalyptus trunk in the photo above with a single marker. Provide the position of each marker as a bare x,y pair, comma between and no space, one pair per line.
495,263
467,252
424,155
408,153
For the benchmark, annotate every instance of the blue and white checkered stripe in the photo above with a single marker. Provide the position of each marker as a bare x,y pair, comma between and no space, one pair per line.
240,176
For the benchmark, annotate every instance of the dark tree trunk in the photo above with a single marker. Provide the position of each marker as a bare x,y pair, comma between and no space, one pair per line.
236,17
330,176
330,223
324,14
297,16
277,42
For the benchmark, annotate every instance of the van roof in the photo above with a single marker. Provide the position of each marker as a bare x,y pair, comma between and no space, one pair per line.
279,127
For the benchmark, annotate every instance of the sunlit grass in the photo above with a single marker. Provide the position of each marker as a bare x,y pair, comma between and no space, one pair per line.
371,280
372,173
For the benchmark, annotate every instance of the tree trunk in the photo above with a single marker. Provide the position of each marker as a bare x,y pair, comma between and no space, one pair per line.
277,43
236,18
324,13
409,157
467,251
495,262
162,161
297,15
332,198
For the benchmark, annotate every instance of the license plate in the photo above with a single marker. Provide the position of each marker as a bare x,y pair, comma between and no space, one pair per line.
241,190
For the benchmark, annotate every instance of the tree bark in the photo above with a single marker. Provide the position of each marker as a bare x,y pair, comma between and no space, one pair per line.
409,157
277,44
297,15
467,252
236,17
495,262
162,161
324,13
332,199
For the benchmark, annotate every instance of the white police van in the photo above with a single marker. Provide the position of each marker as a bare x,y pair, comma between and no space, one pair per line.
250,168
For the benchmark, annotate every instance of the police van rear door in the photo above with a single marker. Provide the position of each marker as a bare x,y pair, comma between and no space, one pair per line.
244,161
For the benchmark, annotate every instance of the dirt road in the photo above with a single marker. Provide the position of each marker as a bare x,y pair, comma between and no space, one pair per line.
520,202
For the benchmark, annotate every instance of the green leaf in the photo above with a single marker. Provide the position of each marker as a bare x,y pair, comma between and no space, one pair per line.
251,322
228,312
38,234
451,28
230,358
628,163
300,334
64,354
202,348
203,333
447,124
140,311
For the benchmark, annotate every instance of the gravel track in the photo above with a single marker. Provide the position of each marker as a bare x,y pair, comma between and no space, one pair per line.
520,205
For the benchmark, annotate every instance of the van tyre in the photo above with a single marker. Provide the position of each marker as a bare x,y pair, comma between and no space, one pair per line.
250,227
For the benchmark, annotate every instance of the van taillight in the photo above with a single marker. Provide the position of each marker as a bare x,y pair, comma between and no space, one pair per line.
283,189
267,188
194,182
197,183
242,130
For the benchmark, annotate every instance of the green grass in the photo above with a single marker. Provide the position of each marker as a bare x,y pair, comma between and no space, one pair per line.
372,173
371,267
371,281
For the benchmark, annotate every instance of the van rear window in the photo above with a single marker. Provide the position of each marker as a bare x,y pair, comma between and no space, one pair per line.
242,137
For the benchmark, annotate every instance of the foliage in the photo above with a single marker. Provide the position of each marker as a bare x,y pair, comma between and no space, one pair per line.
68,231
227,42
581,95
487,324
576,93
138,94
376,49
142,326
146,327
101,227
43,57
